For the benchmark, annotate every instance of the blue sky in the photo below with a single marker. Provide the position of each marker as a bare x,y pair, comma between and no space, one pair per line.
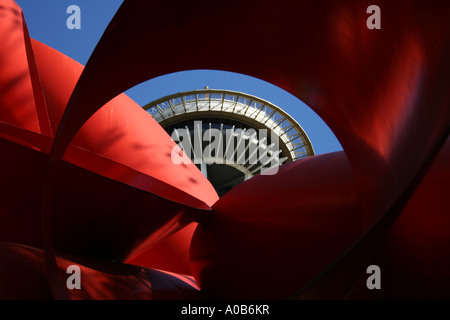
46,20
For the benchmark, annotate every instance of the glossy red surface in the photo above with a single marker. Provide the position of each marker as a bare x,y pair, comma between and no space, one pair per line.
171,254
271,235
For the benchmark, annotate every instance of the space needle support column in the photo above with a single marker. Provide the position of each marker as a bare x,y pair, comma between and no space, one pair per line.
203,168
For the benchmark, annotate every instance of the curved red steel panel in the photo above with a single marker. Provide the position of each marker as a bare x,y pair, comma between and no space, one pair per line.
100,279
17,100
171,254
121,131
414,255
271,235
115,194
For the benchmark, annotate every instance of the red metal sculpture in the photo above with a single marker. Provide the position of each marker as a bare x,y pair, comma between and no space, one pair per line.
96,168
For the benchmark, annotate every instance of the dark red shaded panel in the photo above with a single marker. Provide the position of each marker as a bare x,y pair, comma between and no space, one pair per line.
414,257
92,215
106,280
23,277
17,105
271,235
22,273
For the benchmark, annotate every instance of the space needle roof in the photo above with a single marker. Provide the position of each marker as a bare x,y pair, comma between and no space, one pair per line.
225,104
